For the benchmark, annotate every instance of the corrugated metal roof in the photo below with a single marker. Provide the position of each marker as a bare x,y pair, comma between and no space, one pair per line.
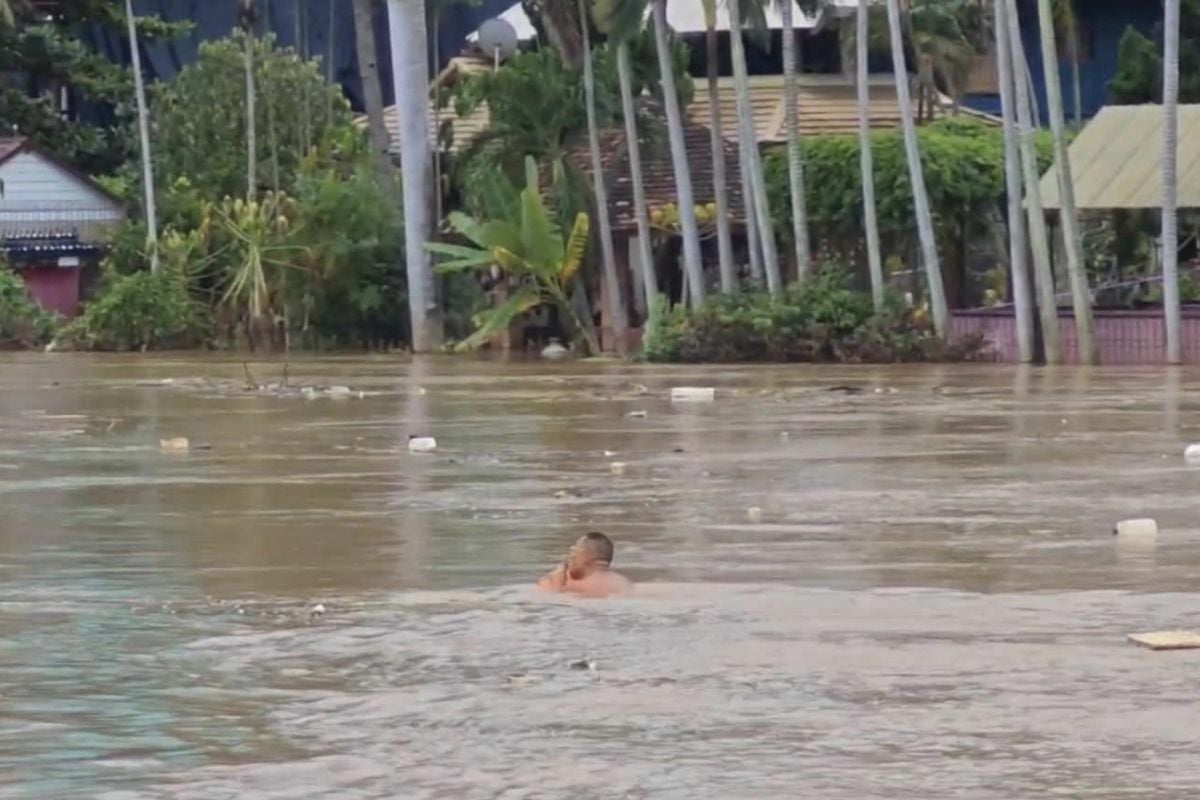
1116,161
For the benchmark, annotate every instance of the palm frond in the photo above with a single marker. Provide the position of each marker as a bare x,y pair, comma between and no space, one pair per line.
541,241
576,249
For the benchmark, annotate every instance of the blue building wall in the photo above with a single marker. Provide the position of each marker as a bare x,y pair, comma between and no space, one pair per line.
1107,20
214,20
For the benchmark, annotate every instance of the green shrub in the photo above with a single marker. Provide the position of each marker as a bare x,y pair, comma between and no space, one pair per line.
822,320
23,323
140,311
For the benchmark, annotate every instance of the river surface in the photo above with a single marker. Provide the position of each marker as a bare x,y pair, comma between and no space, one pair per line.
927,602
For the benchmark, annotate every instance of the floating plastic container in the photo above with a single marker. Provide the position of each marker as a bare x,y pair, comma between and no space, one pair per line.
693,394
179,444
1137,529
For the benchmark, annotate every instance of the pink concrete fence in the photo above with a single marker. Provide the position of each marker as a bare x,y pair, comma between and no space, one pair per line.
1129,338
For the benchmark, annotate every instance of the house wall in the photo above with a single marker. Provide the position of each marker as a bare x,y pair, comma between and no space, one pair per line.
1104,23
54,288
40,195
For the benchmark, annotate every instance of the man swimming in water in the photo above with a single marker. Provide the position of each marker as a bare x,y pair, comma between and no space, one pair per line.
588,570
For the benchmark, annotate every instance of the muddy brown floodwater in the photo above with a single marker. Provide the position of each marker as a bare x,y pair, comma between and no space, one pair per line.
930,606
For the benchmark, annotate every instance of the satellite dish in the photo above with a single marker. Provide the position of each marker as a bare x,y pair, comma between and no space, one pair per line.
498,39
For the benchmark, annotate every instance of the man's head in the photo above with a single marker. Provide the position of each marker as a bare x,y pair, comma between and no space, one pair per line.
592,550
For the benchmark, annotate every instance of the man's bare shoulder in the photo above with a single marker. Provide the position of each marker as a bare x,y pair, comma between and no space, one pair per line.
601,584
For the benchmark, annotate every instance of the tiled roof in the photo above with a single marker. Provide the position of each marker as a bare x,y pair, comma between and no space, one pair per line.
658,176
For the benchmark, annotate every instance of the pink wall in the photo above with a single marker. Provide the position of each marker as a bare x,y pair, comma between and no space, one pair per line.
1123,338
54,288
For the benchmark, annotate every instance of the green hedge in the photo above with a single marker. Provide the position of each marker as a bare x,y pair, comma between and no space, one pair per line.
821,320
963,162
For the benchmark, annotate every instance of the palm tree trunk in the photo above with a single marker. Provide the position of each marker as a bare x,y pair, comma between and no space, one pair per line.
1017,235
410,70
1040,243
753,241
1080,293
1170,220
692,260
616,301
866,158
139,83
331,51
272,133
1076,80
929,254
752,156
795,156
368,71
625,77
717,140
251,120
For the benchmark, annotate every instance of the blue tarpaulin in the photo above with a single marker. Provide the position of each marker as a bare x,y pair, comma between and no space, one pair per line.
323,25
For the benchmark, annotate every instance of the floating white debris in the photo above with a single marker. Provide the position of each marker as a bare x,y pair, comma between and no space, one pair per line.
1192,454
636,414
421,392
555,351
1137,529
609,453
421,444
309,393
340,391
584,664
754,514
693,394
179,444
617,467
1167,640
784,436
317,610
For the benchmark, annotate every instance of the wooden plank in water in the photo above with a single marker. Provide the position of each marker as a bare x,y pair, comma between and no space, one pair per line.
1167,640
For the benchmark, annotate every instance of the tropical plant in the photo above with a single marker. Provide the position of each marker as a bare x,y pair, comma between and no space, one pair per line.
1066,22
1170,160
1018,239
410,74
1038,239
530,252
150,208
23,323
140,311
1081,299
929,254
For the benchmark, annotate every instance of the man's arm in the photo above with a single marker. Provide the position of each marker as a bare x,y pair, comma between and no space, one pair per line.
555,580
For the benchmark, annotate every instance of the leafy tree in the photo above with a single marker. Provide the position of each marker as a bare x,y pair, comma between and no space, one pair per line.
201,116
1139,73
45,55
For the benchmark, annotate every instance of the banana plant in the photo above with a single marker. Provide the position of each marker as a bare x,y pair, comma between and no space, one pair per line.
531,253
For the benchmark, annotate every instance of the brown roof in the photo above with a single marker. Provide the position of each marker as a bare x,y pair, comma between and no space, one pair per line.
658,176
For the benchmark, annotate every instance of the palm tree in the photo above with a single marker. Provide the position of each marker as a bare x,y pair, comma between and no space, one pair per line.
866,158
1017,238
410,71
692,262
640,209
139,84
368,71
1081,298
929,254
751,158
795,158
1040,245
717,141
246,18
1067,24
1170,158
616,301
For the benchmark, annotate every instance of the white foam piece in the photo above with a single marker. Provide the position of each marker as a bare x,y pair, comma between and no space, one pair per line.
1137,529
693,394
1192,453
421,444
